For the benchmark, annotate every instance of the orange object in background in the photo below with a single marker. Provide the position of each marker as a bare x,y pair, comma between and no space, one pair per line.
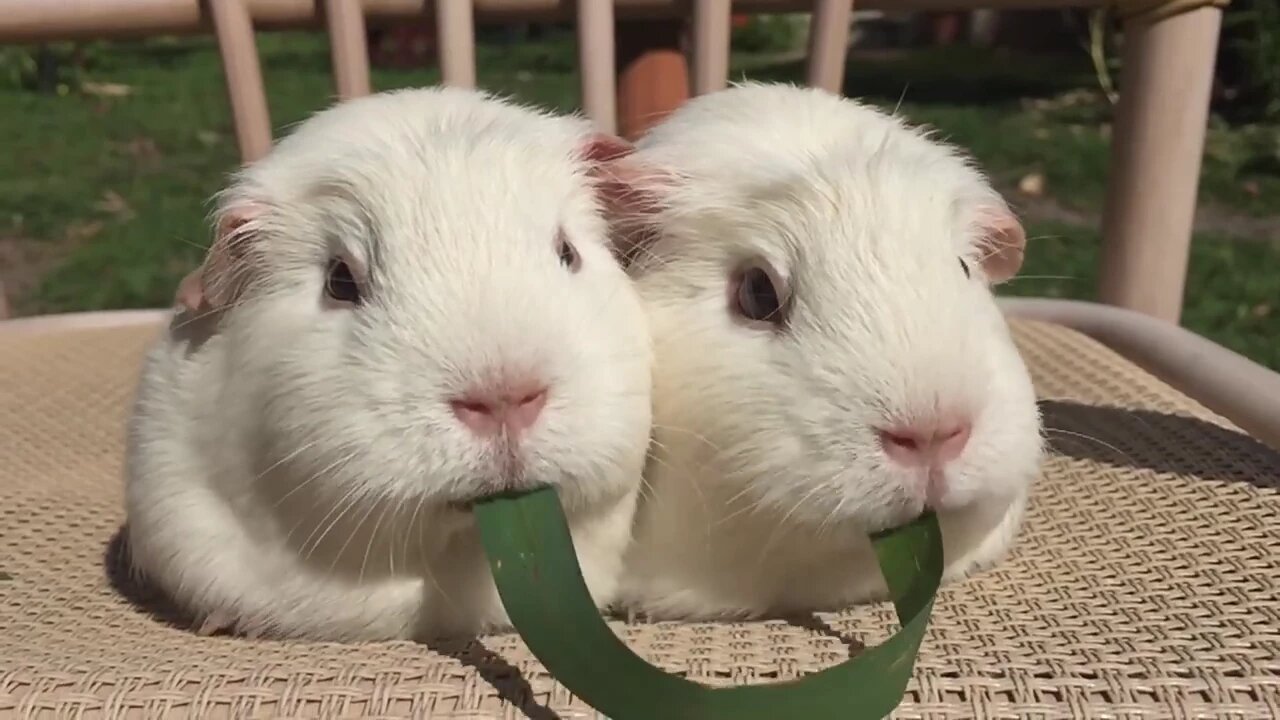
653,73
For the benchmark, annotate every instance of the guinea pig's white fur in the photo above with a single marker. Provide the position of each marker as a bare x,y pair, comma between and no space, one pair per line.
291,465
766,475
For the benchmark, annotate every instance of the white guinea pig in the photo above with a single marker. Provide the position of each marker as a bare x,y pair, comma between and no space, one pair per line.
409,304
829,357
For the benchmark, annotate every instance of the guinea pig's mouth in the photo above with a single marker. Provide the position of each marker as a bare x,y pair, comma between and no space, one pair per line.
468,502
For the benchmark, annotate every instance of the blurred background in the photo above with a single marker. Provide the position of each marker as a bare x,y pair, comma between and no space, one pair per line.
112,149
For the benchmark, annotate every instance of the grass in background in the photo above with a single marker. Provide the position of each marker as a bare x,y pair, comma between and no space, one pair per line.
103,196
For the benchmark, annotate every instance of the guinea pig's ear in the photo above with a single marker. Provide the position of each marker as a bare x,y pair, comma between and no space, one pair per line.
630,190
227,265
1002,242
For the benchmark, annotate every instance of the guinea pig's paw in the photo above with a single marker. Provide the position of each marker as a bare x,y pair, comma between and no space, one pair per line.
218,621
227,622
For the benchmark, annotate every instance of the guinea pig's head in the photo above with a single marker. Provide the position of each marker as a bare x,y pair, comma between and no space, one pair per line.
420,289
818,278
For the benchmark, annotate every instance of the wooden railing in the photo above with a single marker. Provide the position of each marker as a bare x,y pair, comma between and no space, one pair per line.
630,79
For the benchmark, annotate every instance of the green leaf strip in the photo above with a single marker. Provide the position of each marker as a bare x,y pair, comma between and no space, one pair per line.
531,554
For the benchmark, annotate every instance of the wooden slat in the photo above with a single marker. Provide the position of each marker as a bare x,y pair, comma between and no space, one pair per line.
49,20
597,57
456,39
711,33
829,43
243,72
1156,151
349,47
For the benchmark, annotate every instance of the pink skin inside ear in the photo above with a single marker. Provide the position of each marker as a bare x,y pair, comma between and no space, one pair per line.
1003,245
603,148
228,263
629,190
190,293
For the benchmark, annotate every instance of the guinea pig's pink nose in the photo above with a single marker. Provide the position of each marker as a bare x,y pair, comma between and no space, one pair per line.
514,408
926,444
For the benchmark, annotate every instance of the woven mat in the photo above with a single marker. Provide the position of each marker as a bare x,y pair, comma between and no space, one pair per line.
1147,583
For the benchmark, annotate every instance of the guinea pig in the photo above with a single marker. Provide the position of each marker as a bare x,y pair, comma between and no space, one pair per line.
410,304
829,358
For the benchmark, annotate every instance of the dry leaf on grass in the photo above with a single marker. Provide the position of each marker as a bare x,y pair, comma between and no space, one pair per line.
106,89
112,203
1032,184
80,231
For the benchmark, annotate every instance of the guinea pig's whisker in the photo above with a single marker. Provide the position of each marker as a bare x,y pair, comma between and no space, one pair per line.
831,516
641,252
372,503
327,469
284,460
781,528
1128,458
744,510
348,501
682,471
413,525
901,98
746,488
373,537
431,578
690,433
337,511
1016,278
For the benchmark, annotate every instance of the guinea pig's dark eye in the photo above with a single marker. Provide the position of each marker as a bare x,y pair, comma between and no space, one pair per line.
757,295
965,267
340,285
569,256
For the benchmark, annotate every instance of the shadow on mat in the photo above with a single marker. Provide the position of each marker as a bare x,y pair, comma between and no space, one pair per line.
1162,442
818,626
505,678
140,594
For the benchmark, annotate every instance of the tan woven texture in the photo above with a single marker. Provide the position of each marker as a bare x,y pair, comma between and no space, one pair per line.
1145,585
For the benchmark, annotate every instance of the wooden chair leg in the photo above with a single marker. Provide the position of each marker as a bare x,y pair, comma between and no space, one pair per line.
712,31
1156,150
349,47
456,40
234,29
829,44
596,53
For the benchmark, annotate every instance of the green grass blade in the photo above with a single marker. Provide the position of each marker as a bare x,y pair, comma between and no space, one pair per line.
531,553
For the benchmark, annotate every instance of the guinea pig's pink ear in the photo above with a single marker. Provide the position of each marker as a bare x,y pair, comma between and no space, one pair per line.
227,265
630,190
1002,242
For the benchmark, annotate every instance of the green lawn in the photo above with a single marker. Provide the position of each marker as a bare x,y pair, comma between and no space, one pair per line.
103,199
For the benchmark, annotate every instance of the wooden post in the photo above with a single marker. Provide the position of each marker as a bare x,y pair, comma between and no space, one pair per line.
829,44
234,30
348,47
1156,150
596,53
653,74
